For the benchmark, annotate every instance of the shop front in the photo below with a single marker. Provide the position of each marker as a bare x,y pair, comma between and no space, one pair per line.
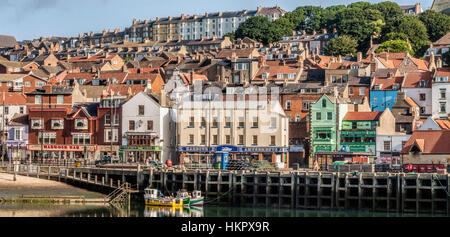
108,150
208,155
62,152
391,158
327,158
17,150
141,154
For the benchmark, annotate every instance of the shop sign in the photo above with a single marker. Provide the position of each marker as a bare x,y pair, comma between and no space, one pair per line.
234,149
296,148
323,149
61,148
138,148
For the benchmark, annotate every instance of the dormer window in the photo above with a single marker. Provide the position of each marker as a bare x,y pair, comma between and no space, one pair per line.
81,124
422,83
265,75
58,124
36,124
377,87
395,87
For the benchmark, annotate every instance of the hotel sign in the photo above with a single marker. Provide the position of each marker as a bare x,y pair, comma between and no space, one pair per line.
233,149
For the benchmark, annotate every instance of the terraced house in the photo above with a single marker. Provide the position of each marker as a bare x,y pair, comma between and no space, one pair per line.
359,132
326,118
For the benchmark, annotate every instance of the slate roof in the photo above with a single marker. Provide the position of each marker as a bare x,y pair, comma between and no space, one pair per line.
7,41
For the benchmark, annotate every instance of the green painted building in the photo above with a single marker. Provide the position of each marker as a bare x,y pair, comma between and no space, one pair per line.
359,131
326,115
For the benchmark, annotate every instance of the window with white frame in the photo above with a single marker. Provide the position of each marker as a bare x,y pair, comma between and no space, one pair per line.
38,99
241,66
265,75
81,138
111,135
18,134
58,124
36,124
60,99
47,138
81,124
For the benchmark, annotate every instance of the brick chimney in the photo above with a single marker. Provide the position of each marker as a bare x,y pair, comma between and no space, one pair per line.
262,61
104,32
48,88
359,57
259,9
182,16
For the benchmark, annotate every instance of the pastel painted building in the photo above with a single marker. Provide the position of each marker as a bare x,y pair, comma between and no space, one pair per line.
358,132
326,115
17,140
385,85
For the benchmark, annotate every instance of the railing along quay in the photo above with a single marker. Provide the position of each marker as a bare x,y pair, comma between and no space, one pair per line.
386,192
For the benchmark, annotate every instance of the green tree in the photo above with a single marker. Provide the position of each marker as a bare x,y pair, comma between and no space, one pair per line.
284,26
260,28
437,24
395,36
416,32
395,46
231,35
296,17
362,5
360,24
343,45
255,28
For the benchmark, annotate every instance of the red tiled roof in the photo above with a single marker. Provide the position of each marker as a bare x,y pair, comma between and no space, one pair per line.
273,71
240,53
444,124
187,77
141,76
442,72
362,116
143,70
411,102
95,58
429,142
387,82
13,98
412,79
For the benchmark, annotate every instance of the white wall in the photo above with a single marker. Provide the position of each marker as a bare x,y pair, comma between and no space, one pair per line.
396,144
414,93
436,99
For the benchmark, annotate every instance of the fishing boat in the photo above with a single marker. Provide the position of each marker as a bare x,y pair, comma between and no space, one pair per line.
196,199
184,195
153,199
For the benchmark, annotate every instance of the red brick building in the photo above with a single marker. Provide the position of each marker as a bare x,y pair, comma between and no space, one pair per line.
296,101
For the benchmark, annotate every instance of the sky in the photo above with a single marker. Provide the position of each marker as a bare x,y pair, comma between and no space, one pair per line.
31,19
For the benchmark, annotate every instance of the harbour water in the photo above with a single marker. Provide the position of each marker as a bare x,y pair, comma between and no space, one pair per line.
137,209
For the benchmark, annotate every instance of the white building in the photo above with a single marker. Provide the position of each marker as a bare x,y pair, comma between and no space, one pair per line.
11,104
148,129
441,93
417,86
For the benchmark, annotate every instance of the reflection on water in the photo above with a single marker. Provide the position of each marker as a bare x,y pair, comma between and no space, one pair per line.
138,209
173,212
